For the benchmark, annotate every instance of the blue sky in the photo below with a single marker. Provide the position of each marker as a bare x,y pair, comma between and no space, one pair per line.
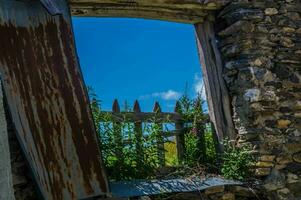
131,59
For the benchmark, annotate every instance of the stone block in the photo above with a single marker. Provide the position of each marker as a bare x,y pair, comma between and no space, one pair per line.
276,180
284,194
292,178
271,11
283,123
264,164
297,157
268,158
262,171
242,191
228,196
214,190
284,159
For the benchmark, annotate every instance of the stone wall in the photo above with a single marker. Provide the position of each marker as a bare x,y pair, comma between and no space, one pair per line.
23,184
260,42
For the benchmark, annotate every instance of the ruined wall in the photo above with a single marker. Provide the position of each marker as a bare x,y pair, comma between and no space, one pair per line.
22,179
260,42
16,181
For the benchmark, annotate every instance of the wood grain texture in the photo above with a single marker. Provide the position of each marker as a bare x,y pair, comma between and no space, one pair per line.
180,138
216,90
48,101
185,11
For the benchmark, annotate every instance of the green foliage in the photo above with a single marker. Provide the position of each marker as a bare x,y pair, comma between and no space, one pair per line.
211,151
199,141
123,161
236,162
127,155
191,151
118,144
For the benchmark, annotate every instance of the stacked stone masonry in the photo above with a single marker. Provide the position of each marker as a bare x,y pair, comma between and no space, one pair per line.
260,42
23,185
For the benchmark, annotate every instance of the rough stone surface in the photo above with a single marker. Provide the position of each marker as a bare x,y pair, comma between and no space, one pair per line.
261,47
264,80
23,185
215,190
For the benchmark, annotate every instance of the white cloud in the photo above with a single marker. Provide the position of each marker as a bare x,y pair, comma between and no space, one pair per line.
199,86
167,95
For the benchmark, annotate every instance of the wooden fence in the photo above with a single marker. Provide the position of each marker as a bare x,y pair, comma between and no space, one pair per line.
159,118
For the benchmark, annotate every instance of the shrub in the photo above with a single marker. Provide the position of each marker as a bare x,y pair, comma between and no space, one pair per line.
200,148
236,162
120,138
118,141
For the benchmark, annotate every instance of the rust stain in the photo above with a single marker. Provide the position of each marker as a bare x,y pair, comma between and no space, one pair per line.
49,104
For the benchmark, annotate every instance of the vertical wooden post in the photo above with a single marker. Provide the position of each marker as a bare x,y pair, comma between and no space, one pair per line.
138,136
216,143
180,138
200,132
160,137
117,133
216,90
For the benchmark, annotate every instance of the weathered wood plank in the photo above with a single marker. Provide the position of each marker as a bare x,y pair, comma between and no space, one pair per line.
217,145
143,117
159,137
48,100
138,136
180,138
216,90
164,117
186,11
117,135
200,133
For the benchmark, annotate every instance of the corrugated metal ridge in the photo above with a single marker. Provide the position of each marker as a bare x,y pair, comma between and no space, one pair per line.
125,189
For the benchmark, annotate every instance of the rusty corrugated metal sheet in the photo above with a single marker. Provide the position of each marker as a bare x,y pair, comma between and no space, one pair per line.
48,101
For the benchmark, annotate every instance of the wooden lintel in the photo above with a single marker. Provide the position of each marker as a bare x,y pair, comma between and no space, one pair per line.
184,11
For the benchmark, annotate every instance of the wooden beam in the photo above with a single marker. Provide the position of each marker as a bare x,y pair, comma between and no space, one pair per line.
139,138
164,117
143,117
185,11
216,90
159,136
180,138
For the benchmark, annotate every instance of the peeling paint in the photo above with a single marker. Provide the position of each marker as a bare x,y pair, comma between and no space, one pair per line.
48,101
